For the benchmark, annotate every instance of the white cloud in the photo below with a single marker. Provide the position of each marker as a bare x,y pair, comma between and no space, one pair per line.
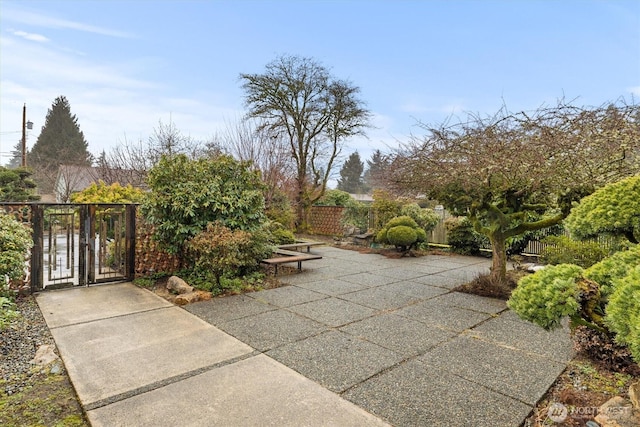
40,20
635,90
112,104
31,36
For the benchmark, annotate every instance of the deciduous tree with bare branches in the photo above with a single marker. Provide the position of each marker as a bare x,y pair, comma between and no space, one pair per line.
298,98
516,172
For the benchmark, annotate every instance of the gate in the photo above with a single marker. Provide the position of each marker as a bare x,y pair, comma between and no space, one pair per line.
79,244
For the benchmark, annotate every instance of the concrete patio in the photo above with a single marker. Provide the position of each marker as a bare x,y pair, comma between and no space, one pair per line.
355,339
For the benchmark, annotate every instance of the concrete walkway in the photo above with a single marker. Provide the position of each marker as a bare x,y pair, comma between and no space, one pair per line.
355,340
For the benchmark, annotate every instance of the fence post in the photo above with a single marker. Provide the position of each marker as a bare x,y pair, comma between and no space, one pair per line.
37,226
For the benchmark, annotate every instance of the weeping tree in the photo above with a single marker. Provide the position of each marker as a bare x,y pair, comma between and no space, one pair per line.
511,173
298,99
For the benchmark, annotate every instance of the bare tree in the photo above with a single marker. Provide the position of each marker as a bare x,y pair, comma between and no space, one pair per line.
250,140
516,172
130,161
298,98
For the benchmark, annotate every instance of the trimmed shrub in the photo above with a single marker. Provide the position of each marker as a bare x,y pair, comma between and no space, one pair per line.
402,232
623,311
548,295
613,209
564,250
613,268
402,236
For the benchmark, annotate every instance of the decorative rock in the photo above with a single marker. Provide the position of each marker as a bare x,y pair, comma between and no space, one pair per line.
190,297
44,356
634,395
178,286
618,412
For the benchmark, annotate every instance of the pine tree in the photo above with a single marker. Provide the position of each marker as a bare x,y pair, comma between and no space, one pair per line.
60,142
16,156
376,166
351,179
16,185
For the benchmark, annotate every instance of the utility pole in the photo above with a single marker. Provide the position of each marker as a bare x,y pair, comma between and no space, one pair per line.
25,125
24,136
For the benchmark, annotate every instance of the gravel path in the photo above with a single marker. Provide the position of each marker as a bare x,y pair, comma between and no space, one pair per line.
18,345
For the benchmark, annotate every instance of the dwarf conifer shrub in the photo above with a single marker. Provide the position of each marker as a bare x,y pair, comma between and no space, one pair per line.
402,232
623,311
613,268
548,295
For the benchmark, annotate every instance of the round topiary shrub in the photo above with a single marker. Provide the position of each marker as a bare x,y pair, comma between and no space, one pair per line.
548,295
402,236
402,232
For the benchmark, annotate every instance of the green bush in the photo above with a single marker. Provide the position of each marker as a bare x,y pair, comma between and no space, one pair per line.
220,250
613,209
278,208
402,236
186,195
334,198
623,311
613,268
427,219
461,237
15,243
548,295
564,250
356,214
279,234
385,207
402,232
103,193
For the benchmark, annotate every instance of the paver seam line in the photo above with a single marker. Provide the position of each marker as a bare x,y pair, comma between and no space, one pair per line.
232,320
470,333
484,386
456,331
165,382
113,317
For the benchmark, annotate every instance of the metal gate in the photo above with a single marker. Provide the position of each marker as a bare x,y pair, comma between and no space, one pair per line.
79,244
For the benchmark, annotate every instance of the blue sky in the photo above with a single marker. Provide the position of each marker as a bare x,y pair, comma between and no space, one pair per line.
126,65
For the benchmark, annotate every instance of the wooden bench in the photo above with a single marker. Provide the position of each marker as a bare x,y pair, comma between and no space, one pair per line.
289,256
301,244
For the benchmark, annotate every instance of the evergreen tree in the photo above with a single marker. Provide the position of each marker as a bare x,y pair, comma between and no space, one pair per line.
374,176
16,156
351,179
60,142
16,185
